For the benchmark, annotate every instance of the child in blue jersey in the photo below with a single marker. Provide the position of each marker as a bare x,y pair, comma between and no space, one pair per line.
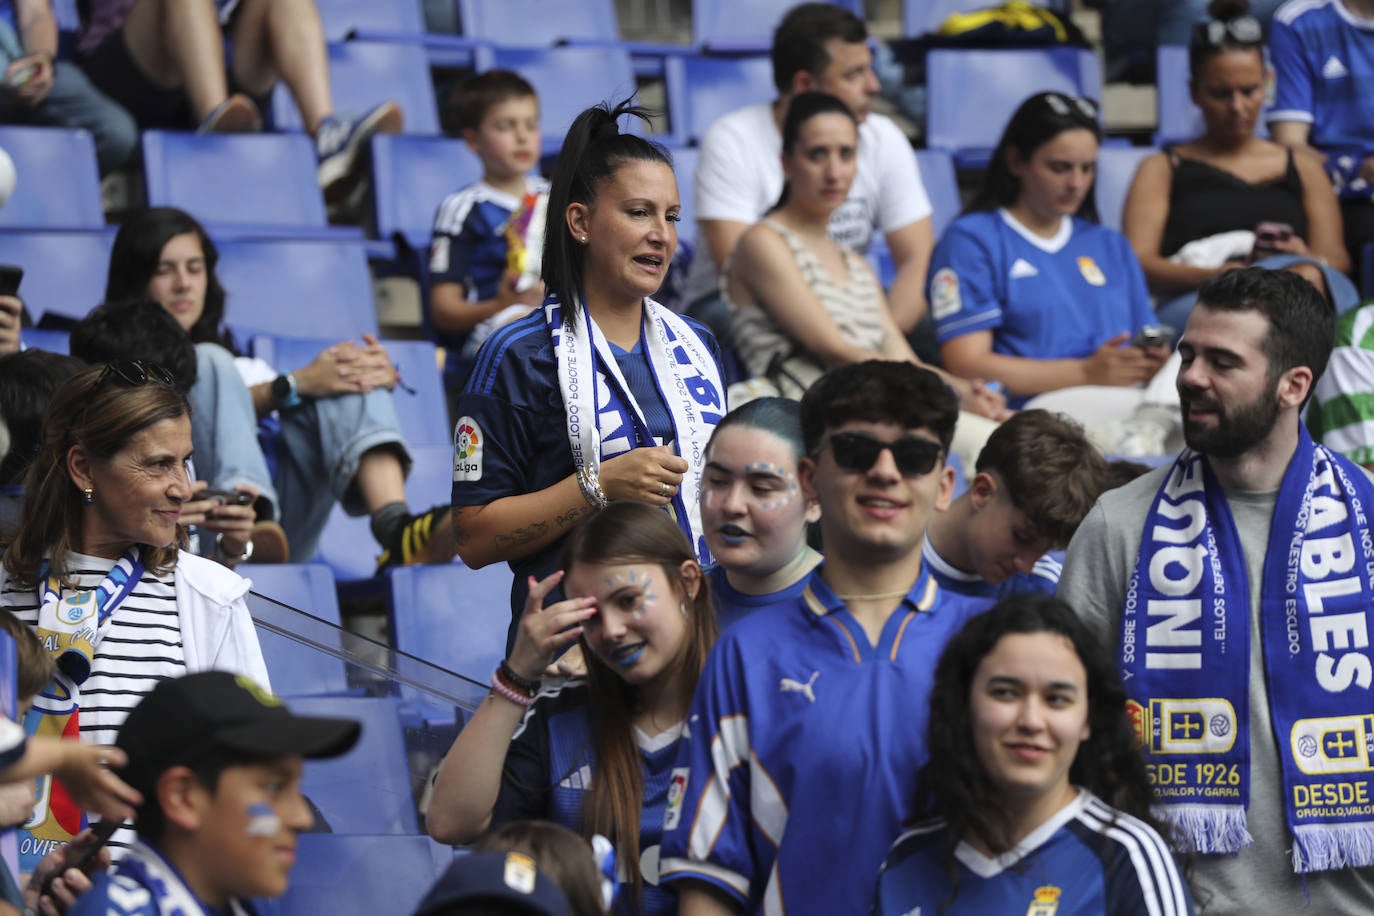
472,282
1035,779
1024,288
809,716
1036,478
218,760
753,512
596,755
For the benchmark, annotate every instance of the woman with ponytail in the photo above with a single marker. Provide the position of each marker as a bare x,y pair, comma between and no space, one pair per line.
602,394
595,755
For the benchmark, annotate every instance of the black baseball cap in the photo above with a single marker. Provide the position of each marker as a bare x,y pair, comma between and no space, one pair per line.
189,720
508,878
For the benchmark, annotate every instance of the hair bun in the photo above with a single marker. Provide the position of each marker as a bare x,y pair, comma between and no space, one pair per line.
604,127
1226,10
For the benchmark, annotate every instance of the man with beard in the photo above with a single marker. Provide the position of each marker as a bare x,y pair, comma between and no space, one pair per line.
1235,585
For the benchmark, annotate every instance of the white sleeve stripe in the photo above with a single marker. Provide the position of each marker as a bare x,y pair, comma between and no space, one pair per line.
1160,882
729,749
772,895
1287,12
686,868
1289,114
969,320
766,803
453,212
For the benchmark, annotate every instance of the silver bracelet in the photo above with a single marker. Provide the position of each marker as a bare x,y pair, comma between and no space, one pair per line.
590,484
247,550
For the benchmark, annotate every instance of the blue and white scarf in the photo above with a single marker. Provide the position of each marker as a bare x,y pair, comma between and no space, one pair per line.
1185,652
603,418
149,886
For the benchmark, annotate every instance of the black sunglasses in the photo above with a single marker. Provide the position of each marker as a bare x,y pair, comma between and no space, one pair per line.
135,372
1243,30
858,452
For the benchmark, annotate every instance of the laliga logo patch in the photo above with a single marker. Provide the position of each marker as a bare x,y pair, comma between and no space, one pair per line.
677,788
1091,272
944,293
467,450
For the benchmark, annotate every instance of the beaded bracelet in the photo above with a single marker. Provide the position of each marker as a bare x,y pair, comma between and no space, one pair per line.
590,484
515,680
507,692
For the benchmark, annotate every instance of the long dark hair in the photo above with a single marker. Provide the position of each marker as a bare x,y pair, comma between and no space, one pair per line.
592,151
630,532
803,107
953,784
1040,119
133,261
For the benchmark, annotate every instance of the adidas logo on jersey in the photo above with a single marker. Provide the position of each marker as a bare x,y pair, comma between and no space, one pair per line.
1333,69
581,778
1023,268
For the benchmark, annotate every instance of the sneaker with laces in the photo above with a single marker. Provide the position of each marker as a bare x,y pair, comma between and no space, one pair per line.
235,115
424,538
340,142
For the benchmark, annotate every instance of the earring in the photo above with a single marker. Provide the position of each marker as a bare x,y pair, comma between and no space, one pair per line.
583,240
89,494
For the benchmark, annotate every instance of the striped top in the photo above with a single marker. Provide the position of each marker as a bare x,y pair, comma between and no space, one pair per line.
853,306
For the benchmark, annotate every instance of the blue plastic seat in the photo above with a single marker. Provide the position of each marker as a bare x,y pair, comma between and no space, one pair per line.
361,874
701,89
53,341
64,272
239,185
368,790
729,26
942,187
297,669
452,616
58,184
567,80
297,288
411,176
365,73
1116,167
999,80
685,167
370,18
536,23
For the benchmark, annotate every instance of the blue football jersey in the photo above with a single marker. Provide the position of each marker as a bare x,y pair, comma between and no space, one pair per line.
1043,577
732,604
802,749
1087,860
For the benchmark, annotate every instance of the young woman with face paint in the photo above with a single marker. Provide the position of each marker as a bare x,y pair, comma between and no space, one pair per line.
753,513
595,755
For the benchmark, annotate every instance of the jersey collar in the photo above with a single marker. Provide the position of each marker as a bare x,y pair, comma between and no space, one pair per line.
821,601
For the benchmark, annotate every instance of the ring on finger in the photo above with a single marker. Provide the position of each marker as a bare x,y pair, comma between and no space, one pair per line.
665,489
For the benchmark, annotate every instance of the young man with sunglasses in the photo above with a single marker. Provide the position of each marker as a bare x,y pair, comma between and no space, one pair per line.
808,723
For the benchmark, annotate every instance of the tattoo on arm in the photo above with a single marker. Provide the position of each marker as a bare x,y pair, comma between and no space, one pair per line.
572,517
460,534
524,535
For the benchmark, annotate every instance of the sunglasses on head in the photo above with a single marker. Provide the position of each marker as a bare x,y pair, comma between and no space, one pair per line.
858,452
1243,30
135,372
1062,104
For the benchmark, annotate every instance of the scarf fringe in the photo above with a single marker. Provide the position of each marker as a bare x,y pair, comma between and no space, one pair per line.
1327,847
1205,829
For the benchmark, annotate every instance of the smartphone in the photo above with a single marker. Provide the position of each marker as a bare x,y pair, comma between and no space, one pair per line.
10,277
1268,236
1154,335
81,855
227,497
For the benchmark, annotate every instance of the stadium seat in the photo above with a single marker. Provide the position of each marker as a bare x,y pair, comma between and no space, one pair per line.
368,789
567,80
263,185
370,19
365,73
411,176
58,185
296,669
64,272
942,187
701,89
336,874
685,167
297,288
423,415
452,616
538,23
46,339
921,17
1000,80
1116,167
732,27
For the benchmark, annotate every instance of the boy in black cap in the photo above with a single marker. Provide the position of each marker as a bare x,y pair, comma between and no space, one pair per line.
218,760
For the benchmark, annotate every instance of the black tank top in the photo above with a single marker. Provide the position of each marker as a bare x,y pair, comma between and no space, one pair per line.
1205,200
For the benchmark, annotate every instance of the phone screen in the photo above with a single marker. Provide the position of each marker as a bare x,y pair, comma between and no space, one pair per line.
10,277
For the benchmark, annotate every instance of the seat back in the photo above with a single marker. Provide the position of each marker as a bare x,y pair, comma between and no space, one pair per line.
297,288
411,176
361,874
341,17
729,25
701,89
452,616
536,23
942,187
1116,167
685,167
64,272
58,184
297,669
365,73
250,179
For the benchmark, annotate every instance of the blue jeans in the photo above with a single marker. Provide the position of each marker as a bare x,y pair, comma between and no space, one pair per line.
73,102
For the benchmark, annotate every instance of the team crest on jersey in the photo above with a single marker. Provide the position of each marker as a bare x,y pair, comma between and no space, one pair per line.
468,440
1091,272
944,293
677,789
1046,902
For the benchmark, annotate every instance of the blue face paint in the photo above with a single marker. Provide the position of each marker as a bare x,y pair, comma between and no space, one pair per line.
263,820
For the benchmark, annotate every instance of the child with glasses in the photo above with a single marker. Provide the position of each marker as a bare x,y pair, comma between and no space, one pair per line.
810,714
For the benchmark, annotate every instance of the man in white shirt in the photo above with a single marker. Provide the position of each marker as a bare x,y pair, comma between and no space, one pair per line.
817,47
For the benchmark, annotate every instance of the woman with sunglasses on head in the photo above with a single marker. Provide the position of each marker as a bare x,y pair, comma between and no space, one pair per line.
601,394
337,437
595,755
97,570
804,303
1024,287
753,512
1036,786
1200,208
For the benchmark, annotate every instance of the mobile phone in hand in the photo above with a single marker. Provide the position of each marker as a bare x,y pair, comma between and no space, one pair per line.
10,277
80,855
1154,335
227,497
1268,236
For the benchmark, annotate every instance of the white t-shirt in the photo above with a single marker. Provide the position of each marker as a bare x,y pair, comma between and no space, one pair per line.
739,177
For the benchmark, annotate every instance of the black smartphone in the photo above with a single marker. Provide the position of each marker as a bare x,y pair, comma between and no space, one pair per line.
10,278
81,855
1154,335
227,497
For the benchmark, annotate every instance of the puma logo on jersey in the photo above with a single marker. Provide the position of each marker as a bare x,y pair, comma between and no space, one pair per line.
1333,69
788,685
